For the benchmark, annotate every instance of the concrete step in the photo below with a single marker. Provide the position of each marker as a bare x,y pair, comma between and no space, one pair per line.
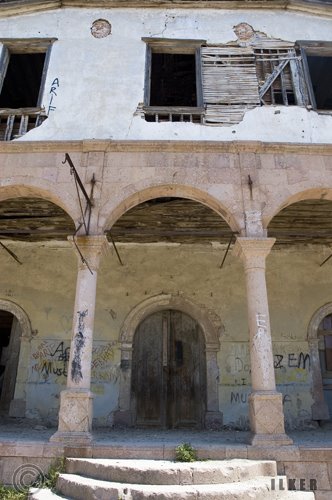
84,488
165,472
44,494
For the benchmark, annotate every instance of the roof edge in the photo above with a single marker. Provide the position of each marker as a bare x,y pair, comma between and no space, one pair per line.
20,7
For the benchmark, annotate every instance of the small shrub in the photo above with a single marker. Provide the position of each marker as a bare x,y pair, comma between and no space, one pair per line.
50,478
185,453
8,493
43,481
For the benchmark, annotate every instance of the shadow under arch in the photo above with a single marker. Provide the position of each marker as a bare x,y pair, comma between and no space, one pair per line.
319,408
309,194
211,327
113,210
46,190
22,342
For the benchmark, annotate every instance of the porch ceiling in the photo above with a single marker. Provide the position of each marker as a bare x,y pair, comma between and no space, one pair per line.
33,219
164,220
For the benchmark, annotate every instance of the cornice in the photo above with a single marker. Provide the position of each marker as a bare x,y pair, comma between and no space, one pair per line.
20,7
106,146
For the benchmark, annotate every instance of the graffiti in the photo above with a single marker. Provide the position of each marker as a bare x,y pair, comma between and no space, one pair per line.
261,324
50,362
239,398
51,359
52,93
79,342
292,360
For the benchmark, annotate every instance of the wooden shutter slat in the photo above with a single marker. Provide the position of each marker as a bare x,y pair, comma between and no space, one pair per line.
229,82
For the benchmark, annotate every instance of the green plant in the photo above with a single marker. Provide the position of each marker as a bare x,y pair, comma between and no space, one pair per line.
8,493
43,481
185,453
49,480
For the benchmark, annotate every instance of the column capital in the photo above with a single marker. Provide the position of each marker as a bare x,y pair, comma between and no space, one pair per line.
91,248
253,251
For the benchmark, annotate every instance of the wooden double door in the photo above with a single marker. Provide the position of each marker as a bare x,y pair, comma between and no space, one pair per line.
169,372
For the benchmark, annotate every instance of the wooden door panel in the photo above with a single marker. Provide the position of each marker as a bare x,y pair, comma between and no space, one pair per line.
168,376
148,381
186,371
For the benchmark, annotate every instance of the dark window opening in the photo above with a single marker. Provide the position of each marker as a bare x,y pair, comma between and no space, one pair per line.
22,81
320,69
173,80
6,322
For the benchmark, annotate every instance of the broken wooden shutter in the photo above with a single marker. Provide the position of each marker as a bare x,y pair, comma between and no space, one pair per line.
4,60
229,83
280,76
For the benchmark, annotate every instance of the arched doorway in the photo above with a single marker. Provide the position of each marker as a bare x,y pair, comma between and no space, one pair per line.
324,335
10,336
169,371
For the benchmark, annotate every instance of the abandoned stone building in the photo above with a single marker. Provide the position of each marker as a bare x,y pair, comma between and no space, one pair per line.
180,152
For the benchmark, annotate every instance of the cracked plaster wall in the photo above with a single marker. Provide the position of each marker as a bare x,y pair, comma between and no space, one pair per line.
100,82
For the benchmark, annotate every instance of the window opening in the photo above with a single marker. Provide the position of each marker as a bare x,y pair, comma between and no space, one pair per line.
173,80
320,70
22,81
274,64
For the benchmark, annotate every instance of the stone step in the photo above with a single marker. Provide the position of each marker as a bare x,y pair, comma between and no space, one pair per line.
83,488
161,472
44,494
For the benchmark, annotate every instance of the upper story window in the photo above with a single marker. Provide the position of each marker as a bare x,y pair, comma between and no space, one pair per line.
189,80
173,88
317,59
23,65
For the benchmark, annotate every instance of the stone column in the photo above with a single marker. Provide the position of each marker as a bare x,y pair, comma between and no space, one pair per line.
265,403
75,414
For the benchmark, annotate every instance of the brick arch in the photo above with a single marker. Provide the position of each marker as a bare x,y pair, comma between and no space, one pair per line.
211,327
318,193
40,188
115,208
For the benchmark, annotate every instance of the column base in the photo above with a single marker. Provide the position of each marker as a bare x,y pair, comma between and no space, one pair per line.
75,417
267,419
72,439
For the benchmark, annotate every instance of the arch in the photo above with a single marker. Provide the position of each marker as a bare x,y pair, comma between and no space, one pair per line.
319,408
114,209
23,187
18,404
318,193
20,314
211,327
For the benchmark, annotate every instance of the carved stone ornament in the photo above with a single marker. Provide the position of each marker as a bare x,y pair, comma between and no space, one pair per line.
101,28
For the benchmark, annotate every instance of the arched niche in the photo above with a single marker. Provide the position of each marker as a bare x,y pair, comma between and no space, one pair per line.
319,408
19,360
211,328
